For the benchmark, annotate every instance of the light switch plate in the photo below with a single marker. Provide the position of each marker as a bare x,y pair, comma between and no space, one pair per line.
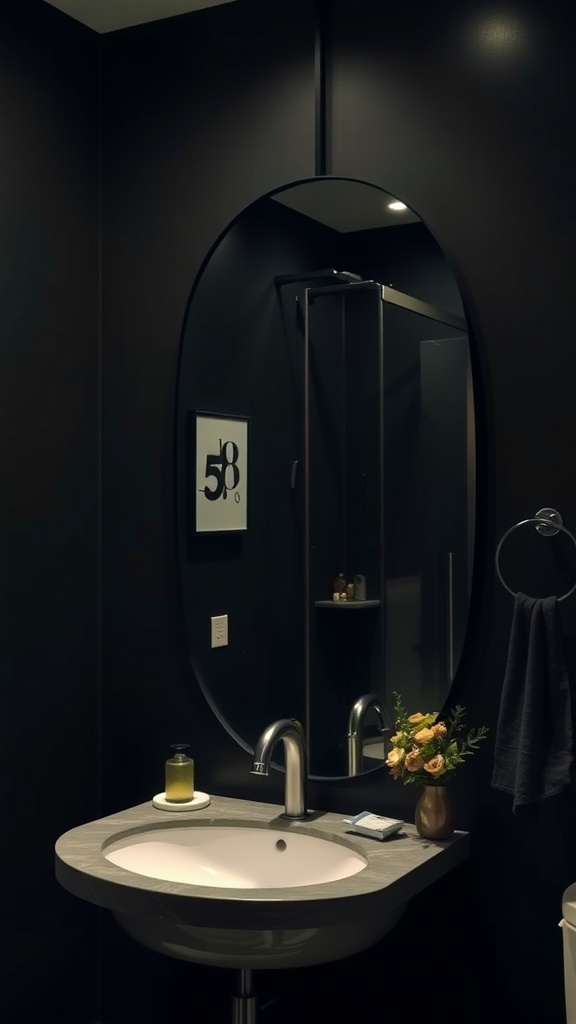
219,630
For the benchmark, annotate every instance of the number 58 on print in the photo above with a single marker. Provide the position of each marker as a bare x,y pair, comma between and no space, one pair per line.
221,473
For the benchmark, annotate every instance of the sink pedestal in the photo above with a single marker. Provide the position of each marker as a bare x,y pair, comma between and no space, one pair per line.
244,1004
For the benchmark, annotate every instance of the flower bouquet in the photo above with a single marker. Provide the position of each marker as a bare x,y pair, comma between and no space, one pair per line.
428,751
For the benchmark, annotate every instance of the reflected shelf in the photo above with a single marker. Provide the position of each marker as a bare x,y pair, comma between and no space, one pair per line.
347,605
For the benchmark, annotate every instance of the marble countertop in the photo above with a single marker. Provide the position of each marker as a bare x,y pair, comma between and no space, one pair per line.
397,869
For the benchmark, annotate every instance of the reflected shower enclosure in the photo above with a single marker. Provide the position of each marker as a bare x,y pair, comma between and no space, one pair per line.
387,422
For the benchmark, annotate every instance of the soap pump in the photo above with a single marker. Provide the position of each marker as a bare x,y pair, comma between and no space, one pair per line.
179,775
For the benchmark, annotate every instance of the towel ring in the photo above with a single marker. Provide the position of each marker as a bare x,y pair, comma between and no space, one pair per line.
548,522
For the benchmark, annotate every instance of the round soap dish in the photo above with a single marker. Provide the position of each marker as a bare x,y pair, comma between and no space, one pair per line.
198,801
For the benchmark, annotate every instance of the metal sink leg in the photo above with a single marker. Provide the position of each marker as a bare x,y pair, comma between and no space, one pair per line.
244,1004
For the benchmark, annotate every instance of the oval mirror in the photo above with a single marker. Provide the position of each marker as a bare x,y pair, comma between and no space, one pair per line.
325,470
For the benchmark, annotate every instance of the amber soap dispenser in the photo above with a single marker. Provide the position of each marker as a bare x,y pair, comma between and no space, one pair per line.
179,775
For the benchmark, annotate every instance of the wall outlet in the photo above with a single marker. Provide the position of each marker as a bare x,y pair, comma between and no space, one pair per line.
219,630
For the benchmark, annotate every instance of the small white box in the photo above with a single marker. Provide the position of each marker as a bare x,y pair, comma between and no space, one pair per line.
375,825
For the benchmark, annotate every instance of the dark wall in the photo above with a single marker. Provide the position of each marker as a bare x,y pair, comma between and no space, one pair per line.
201,116
49,286
468,121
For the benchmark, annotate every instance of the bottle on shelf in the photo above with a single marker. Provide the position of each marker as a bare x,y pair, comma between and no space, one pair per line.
339,588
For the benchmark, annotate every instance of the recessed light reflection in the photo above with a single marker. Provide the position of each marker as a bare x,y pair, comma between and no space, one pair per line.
501,33
497,38
397,205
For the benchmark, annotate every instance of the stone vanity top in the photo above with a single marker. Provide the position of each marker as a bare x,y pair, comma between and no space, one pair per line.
398,869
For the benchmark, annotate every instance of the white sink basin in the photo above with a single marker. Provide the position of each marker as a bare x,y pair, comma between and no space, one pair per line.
235,857
234,885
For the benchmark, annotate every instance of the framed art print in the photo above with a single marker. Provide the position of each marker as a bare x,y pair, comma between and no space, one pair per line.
219,446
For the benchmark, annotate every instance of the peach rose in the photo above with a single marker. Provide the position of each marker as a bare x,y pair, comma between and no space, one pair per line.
414,760
414,719
439,729
424,736
435,766
394,758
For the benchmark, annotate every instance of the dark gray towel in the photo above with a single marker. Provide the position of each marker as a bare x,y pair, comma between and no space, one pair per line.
533,748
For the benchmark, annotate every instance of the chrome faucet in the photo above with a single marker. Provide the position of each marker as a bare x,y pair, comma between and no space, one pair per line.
290,732
355,723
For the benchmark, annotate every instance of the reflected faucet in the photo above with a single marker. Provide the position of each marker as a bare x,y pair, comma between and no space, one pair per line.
355,724
290,732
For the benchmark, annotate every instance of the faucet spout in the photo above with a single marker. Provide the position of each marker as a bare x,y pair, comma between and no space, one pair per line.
355,724
290,732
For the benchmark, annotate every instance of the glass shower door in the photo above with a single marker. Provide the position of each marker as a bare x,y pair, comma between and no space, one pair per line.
344,486
389,497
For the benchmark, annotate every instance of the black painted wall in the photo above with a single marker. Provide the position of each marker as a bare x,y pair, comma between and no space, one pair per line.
203,116
467,119
49,625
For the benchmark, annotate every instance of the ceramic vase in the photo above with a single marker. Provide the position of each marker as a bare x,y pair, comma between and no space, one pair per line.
433,815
